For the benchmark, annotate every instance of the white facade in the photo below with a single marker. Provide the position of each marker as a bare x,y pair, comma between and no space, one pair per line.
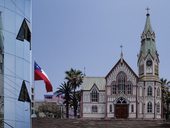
122,93
15,63
136,101
94,83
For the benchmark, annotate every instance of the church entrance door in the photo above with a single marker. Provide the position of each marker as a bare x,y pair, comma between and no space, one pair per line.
121,111
121,108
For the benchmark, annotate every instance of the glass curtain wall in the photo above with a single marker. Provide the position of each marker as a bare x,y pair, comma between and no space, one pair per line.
15,63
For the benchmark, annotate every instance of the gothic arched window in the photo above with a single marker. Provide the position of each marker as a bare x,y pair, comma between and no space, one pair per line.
94,95
149,91
121,78
158,107
149,107
158,92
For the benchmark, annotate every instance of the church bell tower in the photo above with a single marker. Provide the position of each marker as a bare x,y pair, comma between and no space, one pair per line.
149,86
148,58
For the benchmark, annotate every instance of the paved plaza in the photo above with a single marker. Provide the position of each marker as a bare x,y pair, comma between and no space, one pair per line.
80,123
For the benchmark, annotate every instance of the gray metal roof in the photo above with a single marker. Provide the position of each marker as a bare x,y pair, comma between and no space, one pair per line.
88,83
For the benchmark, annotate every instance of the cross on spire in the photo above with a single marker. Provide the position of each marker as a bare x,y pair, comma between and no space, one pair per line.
121,55
147,9
121,46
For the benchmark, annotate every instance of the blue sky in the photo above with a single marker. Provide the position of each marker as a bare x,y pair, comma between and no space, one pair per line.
88,33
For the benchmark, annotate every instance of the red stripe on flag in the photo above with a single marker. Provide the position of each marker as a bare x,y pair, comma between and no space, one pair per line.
38,75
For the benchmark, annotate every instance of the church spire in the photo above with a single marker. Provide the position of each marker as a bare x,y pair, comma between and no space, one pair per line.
148,23
148,37
148,59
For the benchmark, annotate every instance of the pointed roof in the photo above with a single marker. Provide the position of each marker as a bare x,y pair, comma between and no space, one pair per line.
120,62
148,26
148,44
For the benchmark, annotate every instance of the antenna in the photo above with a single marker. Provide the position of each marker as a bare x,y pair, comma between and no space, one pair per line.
84,71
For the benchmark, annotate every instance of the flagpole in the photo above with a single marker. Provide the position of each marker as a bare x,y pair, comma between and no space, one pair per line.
31,66
31,84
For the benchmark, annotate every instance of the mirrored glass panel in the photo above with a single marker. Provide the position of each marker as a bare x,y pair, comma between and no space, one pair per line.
10,4
20,9
2,2
9,43
9,21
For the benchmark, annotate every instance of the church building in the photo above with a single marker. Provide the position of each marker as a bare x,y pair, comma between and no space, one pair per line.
122,93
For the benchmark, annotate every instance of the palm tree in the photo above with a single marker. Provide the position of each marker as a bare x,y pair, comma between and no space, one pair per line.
66,90
75,78
78,99
165,96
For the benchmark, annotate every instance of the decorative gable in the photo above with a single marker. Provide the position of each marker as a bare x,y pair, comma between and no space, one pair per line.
124,67
94,87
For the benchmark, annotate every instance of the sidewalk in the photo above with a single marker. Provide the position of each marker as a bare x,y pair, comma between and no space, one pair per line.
79,123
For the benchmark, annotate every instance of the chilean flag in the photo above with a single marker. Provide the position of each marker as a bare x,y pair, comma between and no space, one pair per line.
39,74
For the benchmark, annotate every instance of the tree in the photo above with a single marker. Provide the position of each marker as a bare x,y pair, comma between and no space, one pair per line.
164,81
165,96
78,99
75,79
50,109
66,90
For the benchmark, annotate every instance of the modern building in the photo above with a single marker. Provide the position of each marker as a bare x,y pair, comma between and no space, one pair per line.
52,106
58,99
122,93
15,62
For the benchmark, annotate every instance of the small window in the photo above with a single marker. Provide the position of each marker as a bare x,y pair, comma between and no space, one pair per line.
32,97
24,31
32,104
149,107
32,90
94,109
149,91
32,111
110,108
158,107
129,89
132,108
23,95
114,89
158,92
